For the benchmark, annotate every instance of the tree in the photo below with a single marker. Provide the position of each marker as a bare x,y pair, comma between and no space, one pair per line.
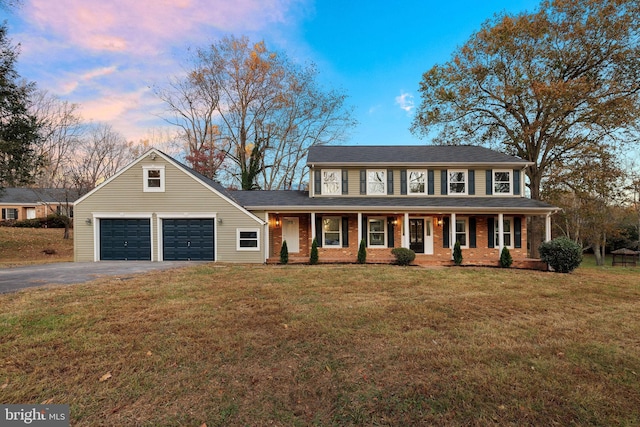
544,86
253,112
19,129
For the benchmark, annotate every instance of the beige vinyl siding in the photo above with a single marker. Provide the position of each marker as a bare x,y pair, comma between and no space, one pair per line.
481,182
437,180
183,196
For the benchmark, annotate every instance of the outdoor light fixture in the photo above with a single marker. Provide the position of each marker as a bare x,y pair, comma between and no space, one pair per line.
439,222
88,221
218,221
277,221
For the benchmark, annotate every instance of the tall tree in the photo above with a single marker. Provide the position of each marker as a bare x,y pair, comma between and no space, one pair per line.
542,86
253,113
18,127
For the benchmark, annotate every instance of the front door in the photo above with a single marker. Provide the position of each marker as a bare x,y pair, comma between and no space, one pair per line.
291,233
416,235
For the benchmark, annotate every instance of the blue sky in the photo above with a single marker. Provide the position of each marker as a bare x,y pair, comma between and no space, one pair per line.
106,54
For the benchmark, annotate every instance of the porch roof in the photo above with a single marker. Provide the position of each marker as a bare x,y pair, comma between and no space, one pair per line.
299,201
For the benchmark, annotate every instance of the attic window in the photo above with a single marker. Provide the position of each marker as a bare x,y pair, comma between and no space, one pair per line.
153,179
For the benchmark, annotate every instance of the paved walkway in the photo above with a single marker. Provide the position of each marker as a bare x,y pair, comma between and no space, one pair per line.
66,273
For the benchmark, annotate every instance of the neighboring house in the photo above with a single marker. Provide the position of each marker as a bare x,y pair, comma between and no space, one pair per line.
30,203
421,197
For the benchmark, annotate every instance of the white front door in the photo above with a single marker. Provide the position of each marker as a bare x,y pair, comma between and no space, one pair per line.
291,233
428,235
31,213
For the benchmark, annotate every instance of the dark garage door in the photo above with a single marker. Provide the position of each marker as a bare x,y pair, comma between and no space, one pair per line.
187,239
125,239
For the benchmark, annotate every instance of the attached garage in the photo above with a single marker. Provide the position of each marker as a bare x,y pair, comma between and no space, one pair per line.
188,239
125,239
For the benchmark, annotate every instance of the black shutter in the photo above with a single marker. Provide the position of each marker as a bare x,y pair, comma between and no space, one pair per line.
363,181
516,181
491,231
431,184
365,230
443,183
390,232
445,232
318,235
345,232
403,181
472,232
15,214
317,182
389,181
472,183
489,182
517,232
345,181
4,213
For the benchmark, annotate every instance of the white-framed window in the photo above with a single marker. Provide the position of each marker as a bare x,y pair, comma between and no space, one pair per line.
462,232
9,213
376,181
457,181
377,229
248,239
332,231
502,181
153,177
507,231
331,181
417,182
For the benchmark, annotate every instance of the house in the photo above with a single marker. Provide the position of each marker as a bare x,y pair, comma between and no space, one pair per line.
421,197
30,203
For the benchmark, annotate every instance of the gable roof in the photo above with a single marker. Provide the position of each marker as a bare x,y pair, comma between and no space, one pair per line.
409,155
35,196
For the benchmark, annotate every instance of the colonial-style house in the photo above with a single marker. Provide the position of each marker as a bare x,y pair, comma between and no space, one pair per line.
420,197
31,203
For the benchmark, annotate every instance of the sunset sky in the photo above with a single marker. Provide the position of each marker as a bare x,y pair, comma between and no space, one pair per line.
105,55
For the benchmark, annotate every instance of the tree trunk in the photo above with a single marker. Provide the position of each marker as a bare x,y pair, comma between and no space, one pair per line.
598,253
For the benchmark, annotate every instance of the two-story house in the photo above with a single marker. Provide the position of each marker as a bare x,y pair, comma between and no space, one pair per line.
420,197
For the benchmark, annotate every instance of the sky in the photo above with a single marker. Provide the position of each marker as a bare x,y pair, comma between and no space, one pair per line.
106,55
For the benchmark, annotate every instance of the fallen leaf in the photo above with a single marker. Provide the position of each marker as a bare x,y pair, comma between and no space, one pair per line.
204,425
285,326
47,402
105,377
3,386
149,353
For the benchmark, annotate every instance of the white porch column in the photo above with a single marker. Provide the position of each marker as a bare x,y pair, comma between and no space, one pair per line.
313,226
266,237
452,231
547,228
405,236
359,228
500,233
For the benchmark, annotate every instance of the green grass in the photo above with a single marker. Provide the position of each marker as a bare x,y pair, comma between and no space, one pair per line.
330,345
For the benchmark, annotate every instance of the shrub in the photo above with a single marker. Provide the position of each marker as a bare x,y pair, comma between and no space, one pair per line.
403,256
362,253
57,221
562,254
457,253
284,253
505,258
313,259
28,223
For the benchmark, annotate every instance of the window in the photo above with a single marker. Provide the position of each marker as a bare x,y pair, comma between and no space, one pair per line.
501,182
462,232
331,182
507,232
248,239
376,182
153,178
377,232
9,213
332,231
457,181
417,182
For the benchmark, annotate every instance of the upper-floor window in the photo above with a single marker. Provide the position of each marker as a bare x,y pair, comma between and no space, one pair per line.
332,231
457,181
153,178
376,181
502,181
417,181
331,181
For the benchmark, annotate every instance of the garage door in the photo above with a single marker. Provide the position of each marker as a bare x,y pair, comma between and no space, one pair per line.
125,239
187,239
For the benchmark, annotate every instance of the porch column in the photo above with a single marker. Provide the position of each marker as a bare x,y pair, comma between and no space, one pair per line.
547,227
266,237
500,232
453,232
313,226
405,235
359,228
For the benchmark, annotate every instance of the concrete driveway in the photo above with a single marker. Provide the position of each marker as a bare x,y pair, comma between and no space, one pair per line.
66,273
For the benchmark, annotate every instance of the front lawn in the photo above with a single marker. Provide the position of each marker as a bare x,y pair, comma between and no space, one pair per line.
20,246
330,345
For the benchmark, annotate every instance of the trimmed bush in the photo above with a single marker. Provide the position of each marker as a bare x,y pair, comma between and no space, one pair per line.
362,253
57,221
313,259
457,253
284,253
28,223
505,258
403,256
562,254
